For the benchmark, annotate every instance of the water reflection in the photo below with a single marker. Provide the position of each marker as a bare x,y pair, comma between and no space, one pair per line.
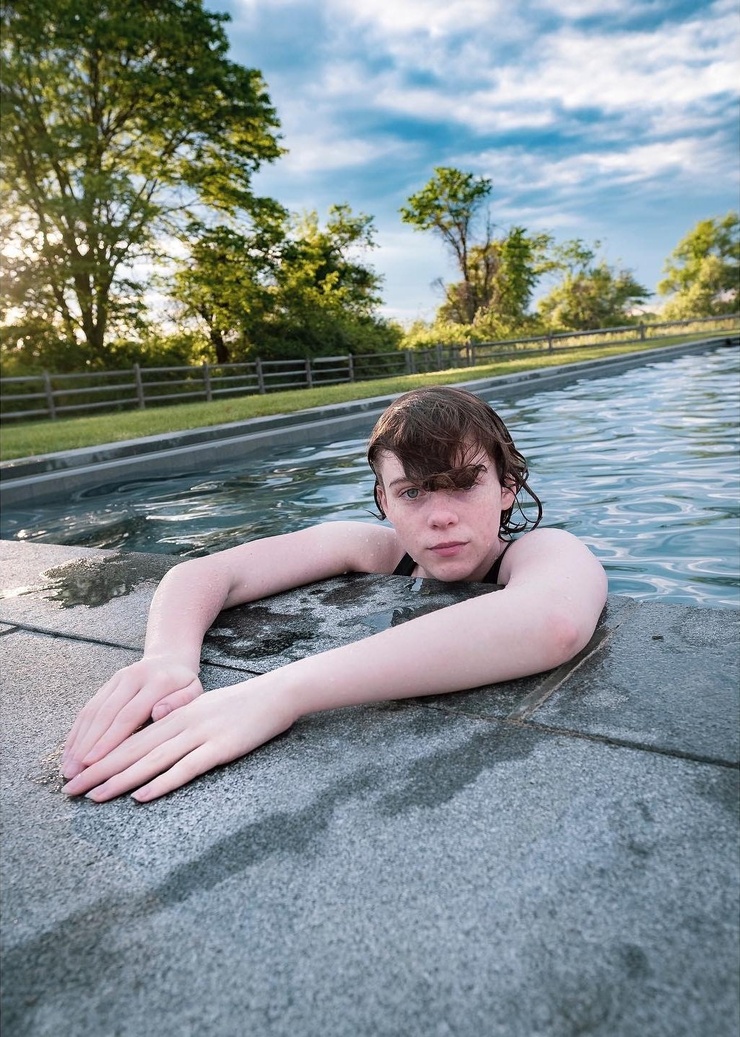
643,466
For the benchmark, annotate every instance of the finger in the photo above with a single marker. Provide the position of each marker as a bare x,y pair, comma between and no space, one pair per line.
197,762
177,699
160,759
84,717
123,712
132,716
134,749
102,710
93,720
84,755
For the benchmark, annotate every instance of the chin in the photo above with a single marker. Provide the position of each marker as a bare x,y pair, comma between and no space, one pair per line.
449,573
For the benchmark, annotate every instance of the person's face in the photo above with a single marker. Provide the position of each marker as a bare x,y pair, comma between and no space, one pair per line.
450,534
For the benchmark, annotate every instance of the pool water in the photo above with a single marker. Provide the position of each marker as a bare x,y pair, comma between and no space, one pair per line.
644,467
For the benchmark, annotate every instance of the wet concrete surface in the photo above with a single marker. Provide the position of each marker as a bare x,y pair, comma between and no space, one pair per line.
554,856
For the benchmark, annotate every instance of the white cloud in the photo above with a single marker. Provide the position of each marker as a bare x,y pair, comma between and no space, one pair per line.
685,159
323,151
659,83
433,18
664,81
577,9
605,117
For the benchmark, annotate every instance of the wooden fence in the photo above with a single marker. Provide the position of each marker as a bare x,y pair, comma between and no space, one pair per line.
44,396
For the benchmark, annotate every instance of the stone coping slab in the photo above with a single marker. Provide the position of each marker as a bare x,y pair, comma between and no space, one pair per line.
80,592
394,869
535,858
669,679
657,676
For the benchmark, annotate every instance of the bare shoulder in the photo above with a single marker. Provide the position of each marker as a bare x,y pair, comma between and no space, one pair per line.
543,554
274,564
359,546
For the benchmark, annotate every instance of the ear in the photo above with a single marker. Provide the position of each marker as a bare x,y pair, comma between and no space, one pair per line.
380,498
508,494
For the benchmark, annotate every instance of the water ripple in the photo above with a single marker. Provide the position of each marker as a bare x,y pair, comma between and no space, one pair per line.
643,466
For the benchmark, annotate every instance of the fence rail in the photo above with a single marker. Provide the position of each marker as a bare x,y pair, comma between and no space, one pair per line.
50,396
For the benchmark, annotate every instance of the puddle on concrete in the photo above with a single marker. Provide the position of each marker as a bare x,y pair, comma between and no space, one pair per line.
443,594
352,588
17,592
50,772
96,581
395,617
263,632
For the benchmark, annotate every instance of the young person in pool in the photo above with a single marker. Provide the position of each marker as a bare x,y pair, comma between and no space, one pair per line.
447,479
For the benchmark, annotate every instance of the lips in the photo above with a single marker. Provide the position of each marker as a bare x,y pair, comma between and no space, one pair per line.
448,548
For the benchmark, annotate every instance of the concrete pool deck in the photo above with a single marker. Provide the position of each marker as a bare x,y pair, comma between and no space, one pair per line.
38,479
555,856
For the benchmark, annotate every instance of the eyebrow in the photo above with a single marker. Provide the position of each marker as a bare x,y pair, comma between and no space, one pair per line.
415,482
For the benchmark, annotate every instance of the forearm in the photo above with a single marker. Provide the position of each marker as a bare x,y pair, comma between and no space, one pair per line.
462,646
183,608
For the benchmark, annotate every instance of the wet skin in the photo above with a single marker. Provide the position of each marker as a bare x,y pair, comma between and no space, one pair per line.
451,534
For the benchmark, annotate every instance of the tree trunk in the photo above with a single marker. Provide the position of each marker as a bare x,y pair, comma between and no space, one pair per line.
222,350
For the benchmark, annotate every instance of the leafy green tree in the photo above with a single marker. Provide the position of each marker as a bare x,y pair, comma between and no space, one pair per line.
227,282
703,271
450,206
591,294
288,288
503,275
122,122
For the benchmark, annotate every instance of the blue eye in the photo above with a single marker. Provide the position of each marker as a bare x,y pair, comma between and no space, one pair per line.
411,493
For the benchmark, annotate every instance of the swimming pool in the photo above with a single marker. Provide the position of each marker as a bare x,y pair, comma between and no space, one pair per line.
643,466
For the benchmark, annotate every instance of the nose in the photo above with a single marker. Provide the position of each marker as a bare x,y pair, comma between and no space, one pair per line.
441,512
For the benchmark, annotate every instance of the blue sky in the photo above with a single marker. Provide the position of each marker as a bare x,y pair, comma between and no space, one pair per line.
614,120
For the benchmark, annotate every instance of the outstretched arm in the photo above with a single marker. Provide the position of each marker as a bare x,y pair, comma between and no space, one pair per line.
185,605
546,613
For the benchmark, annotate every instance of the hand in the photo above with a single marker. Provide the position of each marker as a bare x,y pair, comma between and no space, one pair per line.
152,687
212,730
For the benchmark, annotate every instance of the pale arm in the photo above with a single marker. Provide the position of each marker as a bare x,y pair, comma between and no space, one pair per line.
185,605
543,617
546,613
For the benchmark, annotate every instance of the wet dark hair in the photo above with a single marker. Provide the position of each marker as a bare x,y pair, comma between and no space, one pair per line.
437,432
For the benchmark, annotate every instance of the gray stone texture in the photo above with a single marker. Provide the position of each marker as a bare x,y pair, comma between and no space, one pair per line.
557,856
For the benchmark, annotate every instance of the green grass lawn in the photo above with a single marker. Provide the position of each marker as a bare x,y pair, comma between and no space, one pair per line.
29,439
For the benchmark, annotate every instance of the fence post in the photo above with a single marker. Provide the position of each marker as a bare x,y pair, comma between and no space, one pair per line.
642,333
309,379
407,362
49,390
139,387
351,367
549,341
260,376
207,381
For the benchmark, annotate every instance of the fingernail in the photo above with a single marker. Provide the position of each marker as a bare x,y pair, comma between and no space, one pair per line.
71,769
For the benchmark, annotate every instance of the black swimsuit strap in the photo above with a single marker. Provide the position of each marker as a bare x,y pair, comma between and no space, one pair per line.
407,565
492,574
